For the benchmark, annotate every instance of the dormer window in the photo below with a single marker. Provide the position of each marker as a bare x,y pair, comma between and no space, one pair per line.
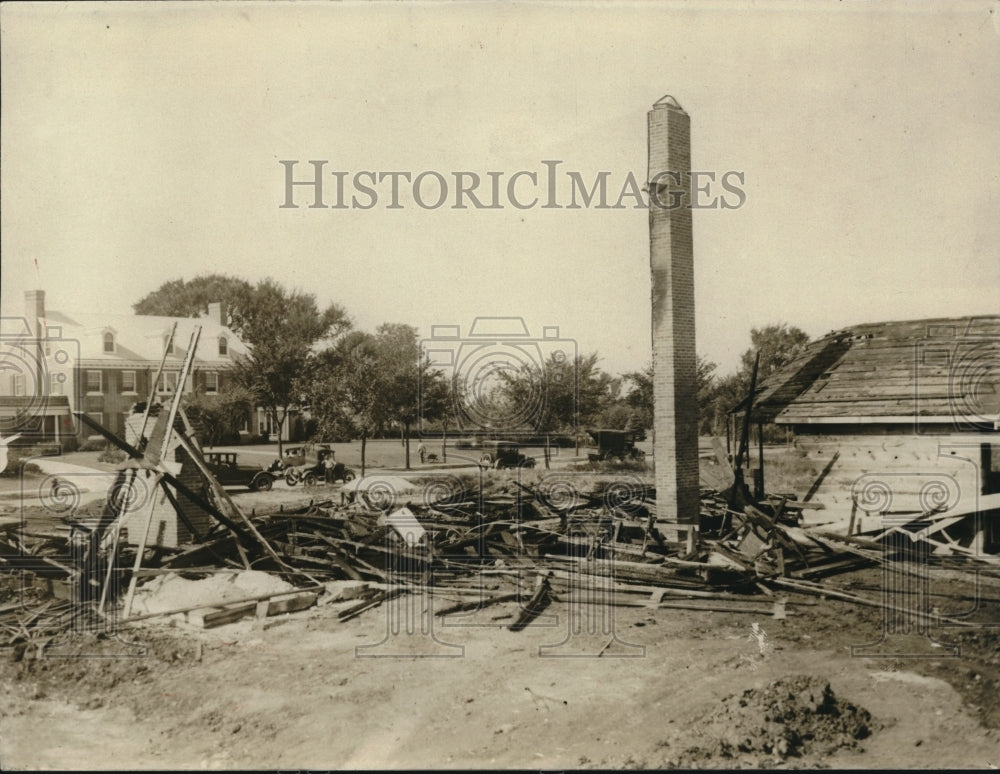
223,346
168,344
109,341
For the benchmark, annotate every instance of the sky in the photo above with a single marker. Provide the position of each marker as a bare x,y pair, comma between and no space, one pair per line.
142,143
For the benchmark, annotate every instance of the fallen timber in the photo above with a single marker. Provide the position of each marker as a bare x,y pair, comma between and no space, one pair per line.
521,548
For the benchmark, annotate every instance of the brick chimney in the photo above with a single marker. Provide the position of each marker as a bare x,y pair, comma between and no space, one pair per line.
671,258
218,312
34,313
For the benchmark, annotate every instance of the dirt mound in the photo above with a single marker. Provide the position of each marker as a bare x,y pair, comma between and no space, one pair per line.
794,716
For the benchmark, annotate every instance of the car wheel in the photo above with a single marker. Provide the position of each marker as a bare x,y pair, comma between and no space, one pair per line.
486,459
309,479
349,476
291,478
263,482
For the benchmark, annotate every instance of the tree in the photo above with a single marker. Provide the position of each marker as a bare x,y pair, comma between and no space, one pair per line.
284,328
180,298
343,388
640,397
219,417
778,345
403,372
706,394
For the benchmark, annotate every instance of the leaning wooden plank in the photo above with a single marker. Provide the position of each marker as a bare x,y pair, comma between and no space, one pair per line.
538,602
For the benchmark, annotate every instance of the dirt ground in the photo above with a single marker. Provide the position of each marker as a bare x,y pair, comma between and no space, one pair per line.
581,687
307,691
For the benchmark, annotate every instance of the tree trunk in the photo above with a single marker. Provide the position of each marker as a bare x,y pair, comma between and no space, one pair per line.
364,442
406,436
278,425
546,451
444,444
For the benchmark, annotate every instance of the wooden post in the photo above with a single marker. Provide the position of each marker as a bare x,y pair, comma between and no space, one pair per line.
168,431
760,457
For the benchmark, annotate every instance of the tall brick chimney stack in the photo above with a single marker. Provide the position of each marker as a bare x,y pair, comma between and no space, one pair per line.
34,312
671,259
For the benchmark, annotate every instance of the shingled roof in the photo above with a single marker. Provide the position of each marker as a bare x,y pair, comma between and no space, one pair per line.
939,370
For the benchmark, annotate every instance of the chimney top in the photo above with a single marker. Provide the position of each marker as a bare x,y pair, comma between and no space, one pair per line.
668,102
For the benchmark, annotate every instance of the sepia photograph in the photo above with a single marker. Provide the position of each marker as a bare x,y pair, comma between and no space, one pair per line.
432,385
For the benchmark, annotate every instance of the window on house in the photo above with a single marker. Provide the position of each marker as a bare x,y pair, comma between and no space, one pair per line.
168,382
17,384
211,381
223,346
56,383
109,342
97,416
189,383
168,344
93,381
128,381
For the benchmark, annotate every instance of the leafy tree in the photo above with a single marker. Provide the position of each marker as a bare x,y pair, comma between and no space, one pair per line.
403,373
343,389
640,397
219,417
180,298
778,345
284,329
706,394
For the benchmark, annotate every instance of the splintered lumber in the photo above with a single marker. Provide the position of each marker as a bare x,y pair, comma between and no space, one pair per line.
821,591
355,610
538,602
652,574
210,617
672,605
477,604
291,604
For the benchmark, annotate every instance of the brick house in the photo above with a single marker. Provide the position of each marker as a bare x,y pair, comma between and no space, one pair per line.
57,362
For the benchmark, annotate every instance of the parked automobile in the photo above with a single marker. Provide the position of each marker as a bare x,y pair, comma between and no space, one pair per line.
313,469
612,444
228,470
504,454
296,456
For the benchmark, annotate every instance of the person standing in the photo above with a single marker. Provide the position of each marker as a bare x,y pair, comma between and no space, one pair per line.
328,463
422,451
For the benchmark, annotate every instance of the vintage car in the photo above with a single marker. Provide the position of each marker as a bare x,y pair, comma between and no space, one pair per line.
504,454
308,466
226,468
614,444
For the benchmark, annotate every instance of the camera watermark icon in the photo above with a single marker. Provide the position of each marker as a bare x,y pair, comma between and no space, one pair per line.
500,379
37,384
956,372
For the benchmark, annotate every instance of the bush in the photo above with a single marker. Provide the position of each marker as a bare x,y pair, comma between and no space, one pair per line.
70,444
94,444
17,466
112,456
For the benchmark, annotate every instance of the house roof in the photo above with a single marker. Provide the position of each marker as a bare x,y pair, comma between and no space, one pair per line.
938,370
140,339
